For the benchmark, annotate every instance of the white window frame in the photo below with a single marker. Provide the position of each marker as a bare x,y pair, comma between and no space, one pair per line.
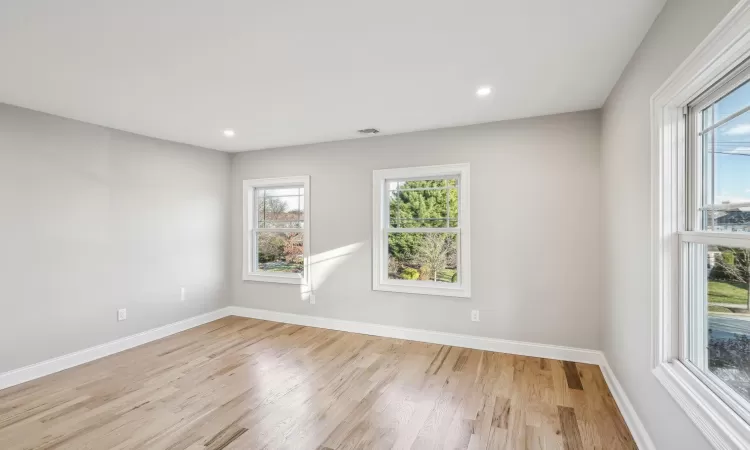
249,223
719,54
380,281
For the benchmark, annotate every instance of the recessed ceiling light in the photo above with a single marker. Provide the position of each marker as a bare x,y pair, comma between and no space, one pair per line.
484,91
229,133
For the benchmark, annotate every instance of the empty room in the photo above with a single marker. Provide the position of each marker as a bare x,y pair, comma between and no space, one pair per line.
479,224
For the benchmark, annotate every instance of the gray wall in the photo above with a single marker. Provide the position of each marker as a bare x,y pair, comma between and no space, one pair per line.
535,229
92,220
626,181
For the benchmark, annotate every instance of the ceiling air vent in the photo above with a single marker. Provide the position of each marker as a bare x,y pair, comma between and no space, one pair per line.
368,131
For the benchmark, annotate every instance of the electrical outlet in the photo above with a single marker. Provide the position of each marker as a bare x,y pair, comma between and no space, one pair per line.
122,314
475,315
182,294
312,298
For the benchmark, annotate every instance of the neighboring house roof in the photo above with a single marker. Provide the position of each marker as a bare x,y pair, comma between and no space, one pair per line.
734,218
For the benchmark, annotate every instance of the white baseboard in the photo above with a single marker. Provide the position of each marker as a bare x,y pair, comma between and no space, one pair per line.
51,366
640,435
433,337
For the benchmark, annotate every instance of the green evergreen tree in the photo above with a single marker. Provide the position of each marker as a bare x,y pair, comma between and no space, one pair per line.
416,204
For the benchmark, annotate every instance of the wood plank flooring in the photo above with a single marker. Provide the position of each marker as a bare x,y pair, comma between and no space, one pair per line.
240,383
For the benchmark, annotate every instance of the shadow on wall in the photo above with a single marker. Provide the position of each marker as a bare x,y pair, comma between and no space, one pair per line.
324,264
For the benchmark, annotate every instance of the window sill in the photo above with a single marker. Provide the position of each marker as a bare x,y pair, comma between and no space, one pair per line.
278,278
423,290
723,428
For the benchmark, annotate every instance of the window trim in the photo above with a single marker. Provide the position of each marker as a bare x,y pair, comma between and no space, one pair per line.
248,226
380,281
725,49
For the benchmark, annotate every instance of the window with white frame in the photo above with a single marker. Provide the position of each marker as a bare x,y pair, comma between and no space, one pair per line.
277,230
715,246
421,238
701,233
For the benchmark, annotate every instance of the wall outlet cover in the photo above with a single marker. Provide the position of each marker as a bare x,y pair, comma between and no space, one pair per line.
122,314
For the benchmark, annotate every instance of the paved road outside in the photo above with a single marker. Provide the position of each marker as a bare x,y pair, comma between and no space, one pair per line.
725,326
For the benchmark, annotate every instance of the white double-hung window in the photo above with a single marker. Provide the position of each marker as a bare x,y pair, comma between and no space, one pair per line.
421,238
701,233
276,230
715,246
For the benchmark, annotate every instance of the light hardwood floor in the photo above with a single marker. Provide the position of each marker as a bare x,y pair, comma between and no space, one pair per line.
240,383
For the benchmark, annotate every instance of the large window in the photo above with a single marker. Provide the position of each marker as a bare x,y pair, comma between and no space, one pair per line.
715,247
421,230
700,129
276,217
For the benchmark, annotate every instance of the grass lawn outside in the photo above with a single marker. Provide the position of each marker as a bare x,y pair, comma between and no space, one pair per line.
277,266
727,292
446,275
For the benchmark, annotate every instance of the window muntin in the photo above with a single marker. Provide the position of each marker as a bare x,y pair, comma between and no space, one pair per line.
282,207
715,249
421,231
412,201
277,230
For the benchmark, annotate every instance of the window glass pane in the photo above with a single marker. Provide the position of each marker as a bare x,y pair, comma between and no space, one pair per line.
423,203
719,331
729,104
423,257
279,251
280,207
726,175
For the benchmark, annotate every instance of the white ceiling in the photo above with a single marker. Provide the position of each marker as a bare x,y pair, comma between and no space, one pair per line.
284,72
